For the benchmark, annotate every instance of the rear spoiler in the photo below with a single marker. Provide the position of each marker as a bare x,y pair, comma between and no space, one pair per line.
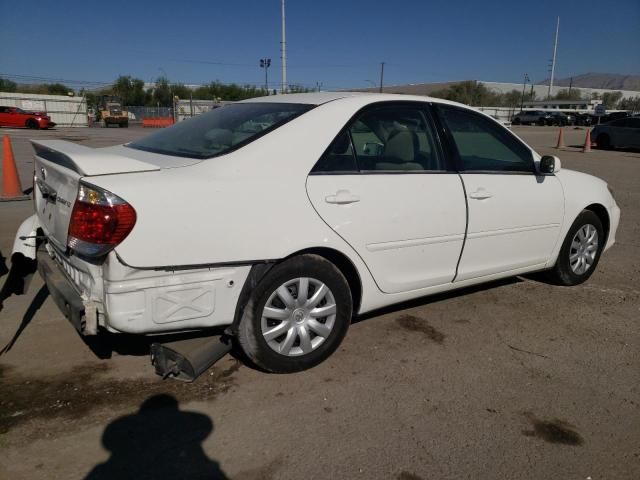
88,161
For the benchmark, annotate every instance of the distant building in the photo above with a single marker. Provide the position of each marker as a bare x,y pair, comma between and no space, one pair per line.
498,87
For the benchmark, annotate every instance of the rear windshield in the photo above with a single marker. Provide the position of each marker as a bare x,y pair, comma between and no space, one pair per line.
220,131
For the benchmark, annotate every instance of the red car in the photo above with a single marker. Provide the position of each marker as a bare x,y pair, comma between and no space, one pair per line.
16,117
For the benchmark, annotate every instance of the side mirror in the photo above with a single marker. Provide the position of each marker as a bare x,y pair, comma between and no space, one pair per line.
549,164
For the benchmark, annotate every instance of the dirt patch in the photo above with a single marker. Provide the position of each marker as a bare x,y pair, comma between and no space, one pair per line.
553,431
415,324
75,394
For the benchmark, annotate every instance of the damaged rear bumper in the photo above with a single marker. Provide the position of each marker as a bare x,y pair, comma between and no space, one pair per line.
62,291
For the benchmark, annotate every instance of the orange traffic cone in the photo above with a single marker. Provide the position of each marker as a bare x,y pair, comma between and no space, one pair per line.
587,142
561,139
11,188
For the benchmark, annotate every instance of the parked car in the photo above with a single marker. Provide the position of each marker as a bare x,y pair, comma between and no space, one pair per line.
537,117
623,132
340,204
16,117
584,119
562,119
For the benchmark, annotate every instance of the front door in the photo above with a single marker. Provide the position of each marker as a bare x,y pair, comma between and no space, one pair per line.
514,213
385,188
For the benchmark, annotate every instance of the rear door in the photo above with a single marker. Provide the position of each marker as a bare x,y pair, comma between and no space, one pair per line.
514,214
384,186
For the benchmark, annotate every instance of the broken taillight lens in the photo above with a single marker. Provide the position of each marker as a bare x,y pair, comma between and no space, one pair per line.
99,221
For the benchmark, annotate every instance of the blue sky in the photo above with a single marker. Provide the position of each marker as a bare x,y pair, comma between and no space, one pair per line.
338,43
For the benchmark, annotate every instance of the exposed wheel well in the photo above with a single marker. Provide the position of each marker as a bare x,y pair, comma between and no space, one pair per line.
603,215
347,268
258,271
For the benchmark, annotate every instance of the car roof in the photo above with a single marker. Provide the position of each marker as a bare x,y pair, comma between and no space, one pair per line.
319,98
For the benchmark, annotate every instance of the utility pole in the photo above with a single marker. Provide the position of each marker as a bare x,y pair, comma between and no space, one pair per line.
553,61
570,85
381,75
266,63
524,84
283,53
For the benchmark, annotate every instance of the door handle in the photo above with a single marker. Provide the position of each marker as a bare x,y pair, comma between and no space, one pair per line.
342,197
480,194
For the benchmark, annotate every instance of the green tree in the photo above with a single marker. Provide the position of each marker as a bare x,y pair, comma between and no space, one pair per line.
7,85
566,94
611,99
632,104
58,89
161,93
470,93
130,90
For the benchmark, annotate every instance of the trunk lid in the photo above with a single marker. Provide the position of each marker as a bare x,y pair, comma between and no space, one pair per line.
59,167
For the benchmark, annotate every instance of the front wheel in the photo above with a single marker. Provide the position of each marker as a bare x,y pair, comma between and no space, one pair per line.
297,316
580,251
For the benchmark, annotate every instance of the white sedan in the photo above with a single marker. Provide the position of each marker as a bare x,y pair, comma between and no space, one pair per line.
282,217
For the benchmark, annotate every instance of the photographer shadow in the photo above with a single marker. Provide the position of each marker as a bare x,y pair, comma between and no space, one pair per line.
159,442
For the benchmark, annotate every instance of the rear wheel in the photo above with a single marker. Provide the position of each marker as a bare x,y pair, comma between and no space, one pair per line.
516,121
542,122
297,316
580,250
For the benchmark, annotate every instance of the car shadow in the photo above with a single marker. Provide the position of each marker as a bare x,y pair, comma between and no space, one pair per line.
438,297
35,305
158,442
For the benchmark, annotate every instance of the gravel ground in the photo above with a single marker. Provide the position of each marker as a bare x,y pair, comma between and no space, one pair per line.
513,380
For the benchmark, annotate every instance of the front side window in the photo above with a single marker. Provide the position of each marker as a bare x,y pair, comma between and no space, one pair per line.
395,138
484,145
221,130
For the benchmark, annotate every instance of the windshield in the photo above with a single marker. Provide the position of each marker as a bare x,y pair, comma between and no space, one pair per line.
220,131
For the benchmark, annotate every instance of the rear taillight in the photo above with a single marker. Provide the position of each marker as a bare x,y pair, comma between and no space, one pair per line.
99,222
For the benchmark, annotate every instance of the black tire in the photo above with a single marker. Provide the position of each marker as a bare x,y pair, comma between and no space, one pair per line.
250,337
542,122
106,125
604,142
516,121
562,273
32,124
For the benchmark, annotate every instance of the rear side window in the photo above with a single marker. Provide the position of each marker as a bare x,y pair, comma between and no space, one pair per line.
483,145
220,131
339,156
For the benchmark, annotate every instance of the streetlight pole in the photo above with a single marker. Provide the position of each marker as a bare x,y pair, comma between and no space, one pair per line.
381,75
524,84
266,63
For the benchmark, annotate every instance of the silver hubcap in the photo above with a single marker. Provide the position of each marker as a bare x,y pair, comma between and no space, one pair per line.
584,247
298,316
